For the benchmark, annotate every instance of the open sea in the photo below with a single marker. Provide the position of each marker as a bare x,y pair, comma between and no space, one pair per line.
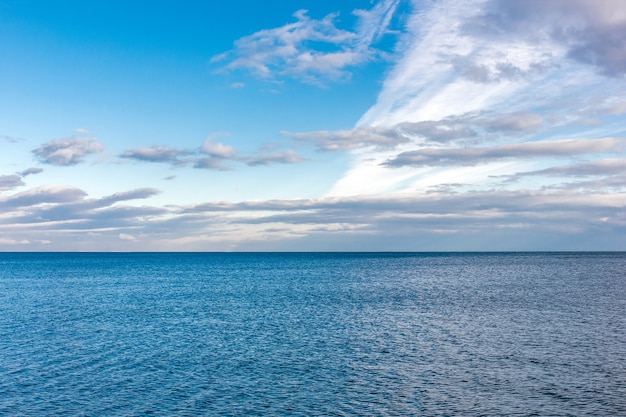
313,334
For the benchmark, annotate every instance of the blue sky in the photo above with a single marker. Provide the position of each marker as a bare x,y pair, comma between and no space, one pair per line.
300,125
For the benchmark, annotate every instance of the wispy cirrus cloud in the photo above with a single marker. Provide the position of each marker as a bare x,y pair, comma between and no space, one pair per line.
488,79
67,152
311,50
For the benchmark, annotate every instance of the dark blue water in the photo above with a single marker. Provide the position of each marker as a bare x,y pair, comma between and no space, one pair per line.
313,334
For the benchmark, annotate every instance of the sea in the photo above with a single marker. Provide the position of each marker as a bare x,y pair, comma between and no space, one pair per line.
313,334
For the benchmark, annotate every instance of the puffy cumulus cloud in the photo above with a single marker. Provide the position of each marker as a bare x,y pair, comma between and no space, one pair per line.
218,149
312,50
66,152
472,156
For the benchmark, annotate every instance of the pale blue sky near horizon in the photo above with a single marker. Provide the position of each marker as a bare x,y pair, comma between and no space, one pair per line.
298,125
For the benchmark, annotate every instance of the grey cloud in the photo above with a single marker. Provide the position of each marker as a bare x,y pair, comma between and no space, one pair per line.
280,157
592,30
138,194
66,152
211,155
472,156
461,128
466,216
211,163
64,204
520,121
31,171
43,195
605,174
468,68
311,50
351,139
604,167
463,217
163,154
8,182
11,139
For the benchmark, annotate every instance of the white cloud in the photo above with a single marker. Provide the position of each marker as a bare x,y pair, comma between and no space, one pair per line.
290,50
66,152
479,71
218,149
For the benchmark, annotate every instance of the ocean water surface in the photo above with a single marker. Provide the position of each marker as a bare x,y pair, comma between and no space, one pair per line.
344,334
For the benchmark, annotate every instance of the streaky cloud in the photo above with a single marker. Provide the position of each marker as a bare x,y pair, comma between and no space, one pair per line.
473,156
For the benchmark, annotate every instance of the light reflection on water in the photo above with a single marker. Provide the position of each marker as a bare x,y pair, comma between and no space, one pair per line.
313,334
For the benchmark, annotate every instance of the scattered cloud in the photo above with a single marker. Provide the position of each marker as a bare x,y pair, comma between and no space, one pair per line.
31,171
311,50
67,152
211,155
164,154
218,149
8,182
